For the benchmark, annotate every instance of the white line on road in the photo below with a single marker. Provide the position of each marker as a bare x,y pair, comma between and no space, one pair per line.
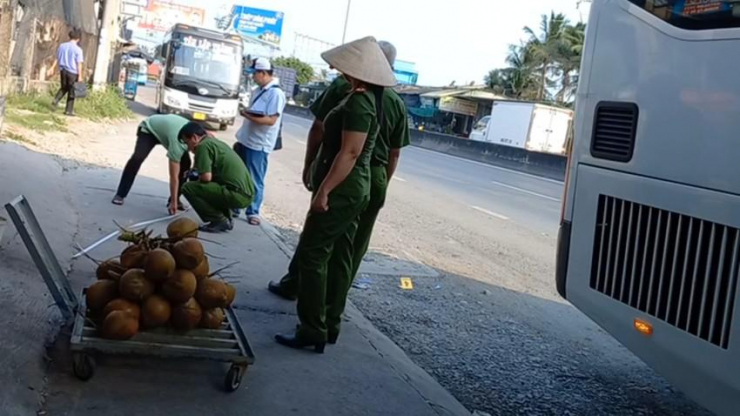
524,191
491,166
301,142
399,179
491,213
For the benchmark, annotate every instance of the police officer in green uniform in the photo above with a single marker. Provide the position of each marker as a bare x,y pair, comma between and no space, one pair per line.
394,135
340,179
224,183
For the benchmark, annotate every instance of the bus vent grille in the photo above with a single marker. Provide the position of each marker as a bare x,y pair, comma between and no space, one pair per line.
679,269
615,127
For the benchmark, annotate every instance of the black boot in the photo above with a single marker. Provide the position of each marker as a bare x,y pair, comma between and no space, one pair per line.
299,344
278,290
70,110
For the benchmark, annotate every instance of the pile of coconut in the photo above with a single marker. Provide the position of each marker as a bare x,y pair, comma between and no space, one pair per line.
158,282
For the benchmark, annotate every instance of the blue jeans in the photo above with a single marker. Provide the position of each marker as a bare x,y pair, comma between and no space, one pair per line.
256,162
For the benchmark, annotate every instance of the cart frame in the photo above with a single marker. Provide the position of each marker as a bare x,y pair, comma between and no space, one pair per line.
227,344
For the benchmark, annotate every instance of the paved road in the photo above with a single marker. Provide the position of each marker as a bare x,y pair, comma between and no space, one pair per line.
504,194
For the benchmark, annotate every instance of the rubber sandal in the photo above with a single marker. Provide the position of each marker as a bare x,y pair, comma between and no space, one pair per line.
117,200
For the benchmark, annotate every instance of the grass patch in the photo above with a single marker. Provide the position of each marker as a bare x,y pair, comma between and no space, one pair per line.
41,122
18,138
106,104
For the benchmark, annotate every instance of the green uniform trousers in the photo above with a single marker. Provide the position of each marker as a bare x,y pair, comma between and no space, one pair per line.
213,201
324,265
358,247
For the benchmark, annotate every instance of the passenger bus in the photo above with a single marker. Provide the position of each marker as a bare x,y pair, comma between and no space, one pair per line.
649,242
201,74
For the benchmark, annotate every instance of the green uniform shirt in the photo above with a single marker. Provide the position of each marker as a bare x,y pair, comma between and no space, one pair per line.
216,157
395,131
356,113
394,134
330,98
166,128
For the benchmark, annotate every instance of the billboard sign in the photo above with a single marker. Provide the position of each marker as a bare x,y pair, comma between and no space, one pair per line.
699,7
265,25
161,15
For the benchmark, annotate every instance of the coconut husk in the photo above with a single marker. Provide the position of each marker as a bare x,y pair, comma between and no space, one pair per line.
211,293
182,228
134,286
119,325
180,286
155,312
186,316
110,270
201,271
159,265
212,318
188,253
100,293
124,305
133,257
230,295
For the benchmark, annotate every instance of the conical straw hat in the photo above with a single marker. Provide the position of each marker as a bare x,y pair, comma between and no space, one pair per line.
362,59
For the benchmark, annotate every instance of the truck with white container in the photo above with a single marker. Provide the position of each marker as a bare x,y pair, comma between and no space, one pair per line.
525,125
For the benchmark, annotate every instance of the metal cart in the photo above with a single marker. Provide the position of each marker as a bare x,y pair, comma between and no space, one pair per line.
227,344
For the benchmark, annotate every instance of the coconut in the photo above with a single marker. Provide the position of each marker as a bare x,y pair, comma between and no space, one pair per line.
110,270
133,257
124,305
212,318
230,295
159,265
202,270
119,325
211,293
180,286
155,311
182,228
186,315
134,286
100,293
188,253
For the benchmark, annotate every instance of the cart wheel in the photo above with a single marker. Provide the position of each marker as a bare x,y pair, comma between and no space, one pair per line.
83,366
234,378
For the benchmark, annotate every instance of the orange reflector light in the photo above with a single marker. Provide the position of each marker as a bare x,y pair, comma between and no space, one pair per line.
643,327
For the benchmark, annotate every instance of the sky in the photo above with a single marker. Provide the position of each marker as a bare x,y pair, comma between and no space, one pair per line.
458,40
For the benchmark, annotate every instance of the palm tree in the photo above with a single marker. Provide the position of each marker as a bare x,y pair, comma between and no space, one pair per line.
544,47
569,60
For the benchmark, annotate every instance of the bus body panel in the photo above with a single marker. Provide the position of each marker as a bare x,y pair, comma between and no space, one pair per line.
684,173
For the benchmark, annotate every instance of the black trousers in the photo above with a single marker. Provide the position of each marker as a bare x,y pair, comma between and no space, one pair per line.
68,88
145,142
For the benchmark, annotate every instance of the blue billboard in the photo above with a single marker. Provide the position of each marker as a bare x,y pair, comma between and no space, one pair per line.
265,25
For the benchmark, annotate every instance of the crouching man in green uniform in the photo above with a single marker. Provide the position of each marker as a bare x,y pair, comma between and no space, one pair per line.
224,183
340,179
394,135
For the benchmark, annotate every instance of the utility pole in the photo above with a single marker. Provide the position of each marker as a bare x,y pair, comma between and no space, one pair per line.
346,20
108,35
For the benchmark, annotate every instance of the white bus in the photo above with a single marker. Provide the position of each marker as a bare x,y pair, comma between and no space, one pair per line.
649,246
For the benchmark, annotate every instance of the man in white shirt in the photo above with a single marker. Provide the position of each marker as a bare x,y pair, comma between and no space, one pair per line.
259,132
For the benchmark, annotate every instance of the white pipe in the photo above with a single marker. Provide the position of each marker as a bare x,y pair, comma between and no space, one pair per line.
135,227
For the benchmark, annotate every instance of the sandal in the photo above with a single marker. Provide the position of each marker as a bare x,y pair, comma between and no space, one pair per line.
117,200
254,221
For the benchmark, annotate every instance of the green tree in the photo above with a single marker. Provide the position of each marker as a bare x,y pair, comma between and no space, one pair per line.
547,62
569,60
304,71
544,47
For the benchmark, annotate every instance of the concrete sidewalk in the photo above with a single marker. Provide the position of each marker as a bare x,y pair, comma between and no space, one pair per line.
364,374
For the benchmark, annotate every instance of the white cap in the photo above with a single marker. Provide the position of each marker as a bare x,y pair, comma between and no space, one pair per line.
262,64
